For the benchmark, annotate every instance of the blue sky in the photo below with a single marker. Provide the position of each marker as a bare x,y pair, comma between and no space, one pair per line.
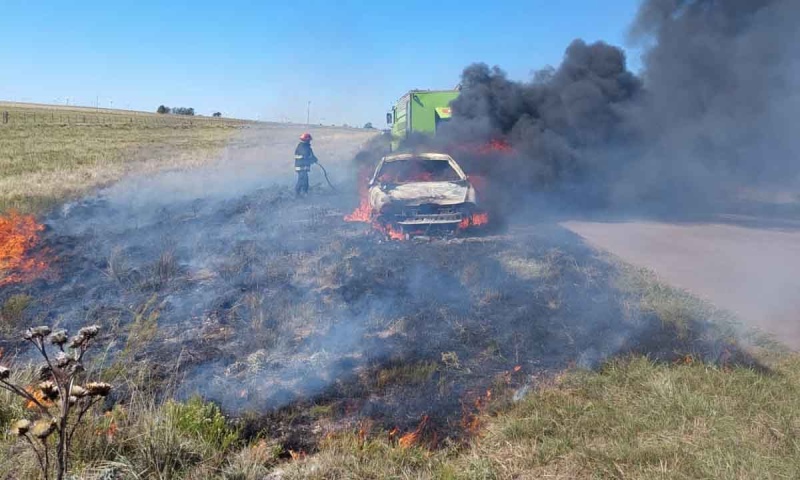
267,59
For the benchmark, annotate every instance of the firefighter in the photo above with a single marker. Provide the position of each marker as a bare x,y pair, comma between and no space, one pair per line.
303,159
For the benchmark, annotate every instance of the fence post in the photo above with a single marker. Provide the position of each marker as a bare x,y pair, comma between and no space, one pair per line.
5,117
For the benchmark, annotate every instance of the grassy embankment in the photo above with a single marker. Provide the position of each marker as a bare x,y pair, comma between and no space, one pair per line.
49,153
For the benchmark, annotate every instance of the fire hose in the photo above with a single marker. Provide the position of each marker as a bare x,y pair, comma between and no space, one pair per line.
325,172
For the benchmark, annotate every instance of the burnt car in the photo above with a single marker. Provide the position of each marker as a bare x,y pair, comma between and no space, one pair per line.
419,192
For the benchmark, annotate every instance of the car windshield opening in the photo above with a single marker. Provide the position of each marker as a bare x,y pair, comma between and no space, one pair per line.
417,170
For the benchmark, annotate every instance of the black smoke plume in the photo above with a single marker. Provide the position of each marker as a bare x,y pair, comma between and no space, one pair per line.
709,119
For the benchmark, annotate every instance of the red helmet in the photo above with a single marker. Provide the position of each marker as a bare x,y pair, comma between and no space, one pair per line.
306,137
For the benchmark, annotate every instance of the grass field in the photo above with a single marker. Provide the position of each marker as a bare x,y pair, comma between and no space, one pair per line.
52,153
633,417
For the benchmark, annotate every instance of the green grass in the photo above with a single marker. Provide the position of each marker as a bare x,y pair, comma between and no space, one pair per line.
404,374
631,419
49,154
11,311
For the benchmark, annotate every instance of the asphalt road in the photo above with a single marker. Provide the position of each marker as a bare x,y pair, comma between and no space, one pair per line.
750,268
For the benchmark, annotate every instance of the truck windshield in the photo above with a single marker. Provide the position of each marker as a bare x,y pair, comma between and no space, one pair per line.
417,170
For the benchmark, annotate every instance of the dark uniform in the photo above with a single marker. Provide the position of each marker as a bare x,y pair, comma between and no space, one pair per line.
303,159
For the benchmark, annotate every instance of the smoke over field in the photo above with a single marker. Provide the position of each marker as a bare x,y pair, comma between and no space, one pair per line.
220,280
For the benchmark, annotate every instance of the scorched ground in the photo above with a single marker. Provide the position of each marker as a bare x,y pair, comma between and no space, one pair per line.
270,305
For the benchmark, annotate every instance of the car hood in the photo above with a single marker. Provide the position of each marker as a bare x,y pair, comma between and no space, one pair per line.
421,193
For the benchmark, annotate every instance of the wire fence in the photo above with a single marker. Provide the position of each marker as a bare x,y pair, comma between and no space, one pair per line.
12,118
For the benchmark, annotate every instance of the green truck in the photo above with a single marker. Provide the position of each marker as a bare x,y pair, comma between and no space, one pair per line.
419,111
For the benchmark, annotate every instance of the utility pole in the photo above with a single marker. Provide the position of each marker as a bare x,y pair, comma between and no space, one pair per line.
308,114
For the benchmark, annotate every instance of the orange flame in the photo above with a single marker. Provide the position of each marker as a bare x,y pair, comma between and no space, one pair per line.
110,428
391,232
19,234
475,220
301,455
412,438
492,146
409,439
495,145
471,420
365,426
363,213
39,396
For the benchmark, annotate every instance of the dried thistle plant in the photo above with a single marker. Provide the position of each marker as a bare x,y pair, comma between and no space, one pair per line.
58,401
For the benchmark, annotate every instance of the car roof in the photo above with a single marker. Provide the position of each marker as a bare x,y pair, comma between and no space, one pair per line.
425,156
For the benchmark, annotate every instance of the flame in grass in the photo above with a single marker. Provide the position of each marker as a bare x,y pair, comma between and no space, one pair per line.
363,213
471,420
108,427
298,455
411,439
19,235
39,396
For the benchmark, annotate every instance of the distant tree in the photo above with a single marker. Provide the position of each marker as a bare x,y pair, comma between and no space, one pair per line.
162,109
183,111
368,125
217,114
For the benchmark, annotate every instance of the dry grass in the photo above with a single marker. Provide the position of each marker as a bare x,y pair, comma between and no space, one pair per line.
11,311
632,419
49,154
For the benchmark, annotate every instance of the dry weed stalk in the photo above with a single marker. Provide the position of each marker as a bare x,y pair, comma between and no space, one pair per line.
59,403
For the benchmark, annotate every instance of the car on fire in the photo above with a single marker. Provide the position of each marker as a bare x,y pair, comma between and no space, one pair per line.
418,192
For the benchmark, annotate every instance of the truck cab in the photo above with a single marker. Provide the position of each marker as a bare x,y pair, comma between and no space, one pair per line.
419,111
